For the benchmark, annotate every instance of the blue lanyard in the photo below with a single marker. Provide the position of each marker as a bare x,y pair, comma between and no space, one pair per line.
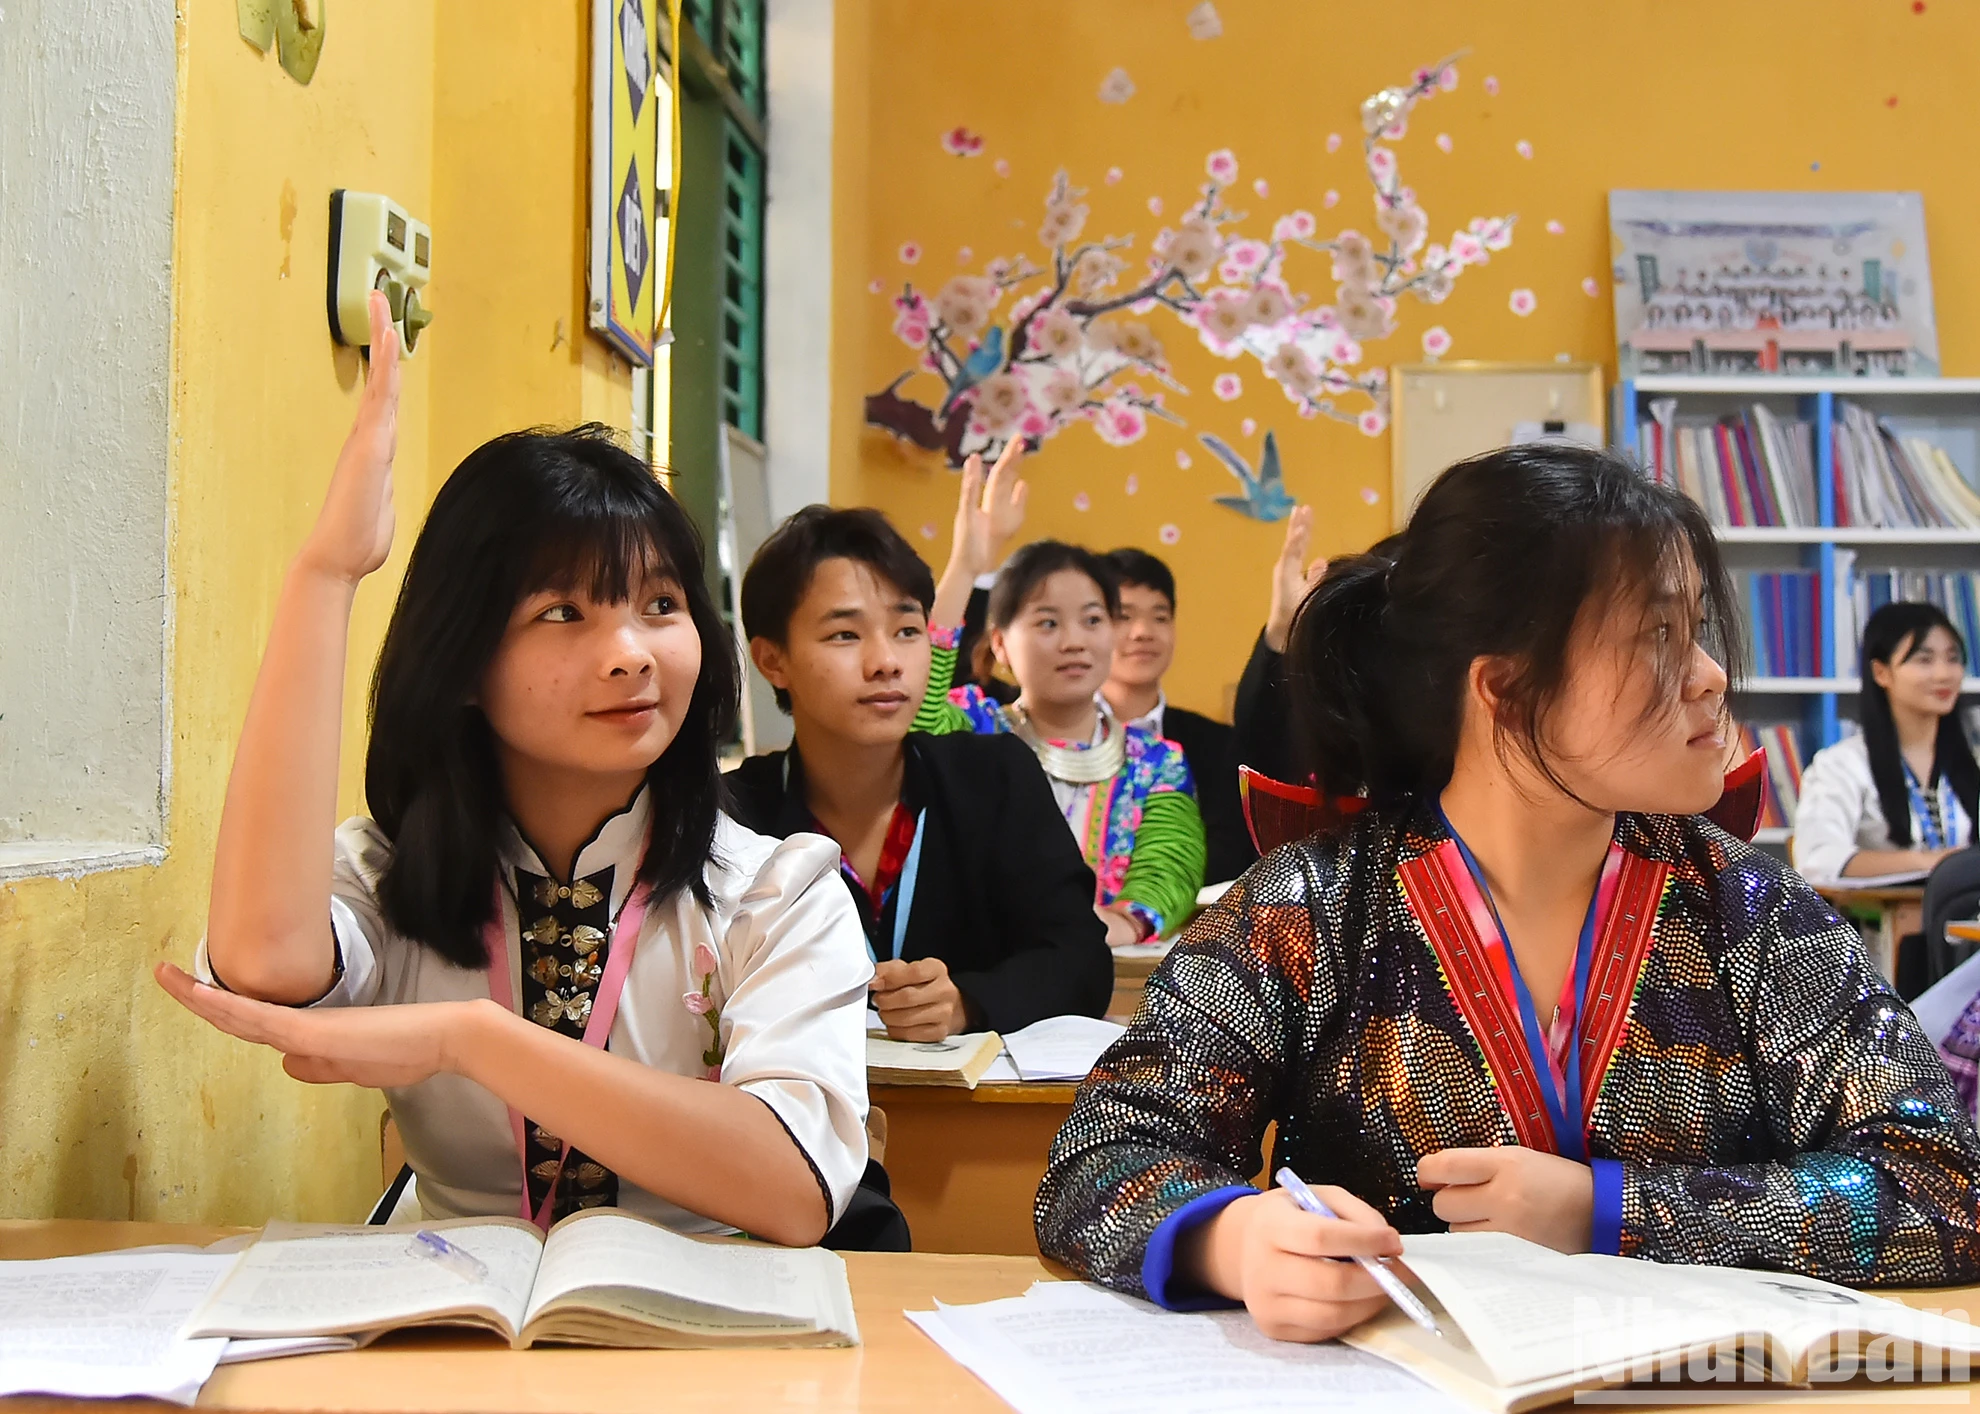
1933,825
1563,1110
903,891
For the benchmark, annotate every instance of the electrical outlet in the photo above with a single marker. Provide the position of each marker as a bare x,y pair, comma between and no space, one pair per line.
375,244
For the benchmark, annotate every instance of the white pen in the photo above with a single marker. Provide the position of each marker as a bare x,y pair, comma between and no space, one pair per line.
1384,1278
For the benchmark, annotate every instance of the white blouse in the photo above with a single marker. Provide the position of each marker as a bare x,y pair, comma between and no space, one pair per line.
790,982
1839,812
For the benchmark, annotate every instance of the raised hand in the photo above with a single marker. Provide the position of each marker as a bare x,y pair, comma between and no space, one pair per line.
353,531
990,511
1292,578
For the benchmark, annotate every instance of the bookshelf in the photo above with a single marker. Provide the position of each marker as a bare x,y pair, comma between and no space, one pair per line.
1944,411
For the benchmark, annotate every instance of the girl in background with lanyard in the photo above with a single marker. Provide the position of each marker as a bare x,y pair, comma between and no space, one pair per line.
1899,795
1526,987
1126,793
578,983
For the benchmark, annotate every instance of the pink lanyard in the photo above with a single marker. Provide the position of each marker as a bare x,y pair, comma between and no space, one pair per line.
597,1029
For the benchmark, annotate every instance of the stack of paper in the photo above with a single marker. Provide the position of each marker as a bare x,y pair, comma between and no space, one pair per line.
1060,1047
1067,1345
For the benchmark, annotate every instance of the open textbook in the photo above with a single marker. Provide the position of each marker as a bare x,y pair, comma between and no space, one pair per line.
602,1277
1525,1326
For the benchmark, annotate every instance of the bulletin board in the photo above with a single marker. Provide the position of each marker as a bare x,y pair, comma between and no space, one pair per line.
1444,412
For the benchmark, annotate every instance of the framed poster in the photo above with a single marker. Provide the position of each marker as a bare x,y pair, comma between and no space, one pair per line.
631,160
1737,283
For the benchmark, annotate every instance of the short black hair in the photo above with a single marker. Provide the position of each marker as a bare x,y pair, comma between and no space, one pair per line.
780,571
1020,578
1138,567
570,511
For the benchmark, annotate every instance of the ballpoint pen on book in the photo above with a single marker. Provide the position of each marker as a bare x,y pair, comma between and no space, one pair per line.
458,1260
1384,1278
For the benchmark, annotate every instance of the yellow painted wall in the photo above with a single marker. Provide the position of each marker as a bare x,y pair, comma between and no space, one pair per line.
114,1102
1737,94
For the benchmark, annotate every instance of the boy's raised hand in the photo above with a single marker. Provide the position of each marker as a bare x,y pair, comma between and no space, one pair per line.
353,531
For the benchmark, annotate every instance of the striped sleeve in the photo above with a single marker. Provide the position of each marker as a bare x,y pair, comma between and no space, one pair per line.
1166,868
937,715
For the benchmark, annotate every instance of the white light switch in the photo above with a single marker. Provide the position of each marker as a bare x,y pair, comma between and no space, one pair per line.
375,244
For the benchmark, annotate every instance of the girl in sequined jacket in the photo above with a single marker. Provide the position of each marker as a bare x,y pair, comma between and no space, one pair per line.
1526,988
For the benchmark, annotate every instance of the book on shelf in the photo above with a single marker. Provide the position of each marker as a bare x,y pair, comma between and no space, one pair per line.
1782,742
1860,593
1890,480
1747,468
601,1277
1784,618
1526,1326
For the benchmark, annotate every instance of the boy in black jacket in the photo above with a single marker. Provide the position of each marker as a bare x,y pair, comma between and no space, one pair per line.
977,905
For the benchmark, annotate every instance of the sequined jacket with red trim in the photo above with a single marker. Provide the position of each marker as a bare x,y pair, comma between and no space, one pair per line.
1772,1102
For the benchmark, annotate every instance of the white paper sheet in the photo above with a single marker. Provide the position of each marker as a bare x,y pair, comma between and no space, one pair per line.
1069,1345
107,1326
1001,1071
244,1352
1060,1047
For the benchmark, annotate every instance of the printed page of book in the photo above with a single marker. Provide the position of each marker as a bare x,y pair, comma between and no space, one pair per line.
303,1280
1070,1345
107,1326
623,1265
1534,1314
959,1060
1061,1047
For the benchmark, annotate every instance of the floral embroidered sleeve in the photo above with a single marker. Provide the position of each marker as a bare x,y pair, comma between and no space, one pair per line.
944,708
1869,1166
1170,851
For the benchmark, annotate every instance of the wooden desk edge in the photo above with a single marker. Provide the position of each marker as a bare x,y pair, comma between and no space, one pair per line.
996,1092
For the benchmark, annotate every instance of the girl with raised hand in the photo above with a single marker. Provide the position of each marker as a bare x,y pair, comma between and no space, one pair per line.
1527,988
578,982
1126,793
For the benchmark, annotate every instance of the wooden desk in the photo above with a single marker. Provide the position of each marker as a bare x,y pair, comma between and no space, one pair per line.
1881,906
965,1164
896,1371
1130,976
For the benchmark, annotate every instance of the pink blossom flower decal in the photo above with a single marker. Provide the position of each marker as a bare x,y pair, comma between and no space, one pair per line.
1555,228
1382,163
1133,484
1222,166
1120,422
1002,167
961,142
1333,142
1331,199
1261,187
1436,341
696,1002
876,287
1248,427
1443,142
1522,302
1590,288
1154,206
1294,226
1467,249
1228,386
1369,495
1524,149
928,530
1117,87
1447,79
1113,175
910,253
712,1073
1491,84
1372,423
1204,22
1169,534
1182,460
704,960
1082,502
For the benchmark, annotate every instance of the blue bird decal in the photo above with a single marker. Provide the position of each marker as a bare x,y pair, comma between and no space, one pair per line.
1265,496
986,359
